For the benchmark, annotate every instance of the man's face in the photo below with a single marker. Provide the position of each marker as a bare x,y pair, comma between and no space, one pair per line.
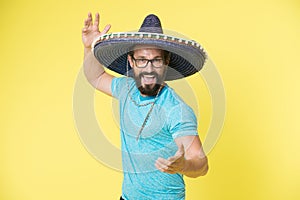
148,75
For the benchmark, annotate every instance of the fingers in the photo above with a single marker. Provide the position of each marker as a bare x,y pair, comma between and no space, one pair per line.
178,155
90,25
174,164
163,165
163,162
180,150
170,166
88,21
106,29
97,18
175,158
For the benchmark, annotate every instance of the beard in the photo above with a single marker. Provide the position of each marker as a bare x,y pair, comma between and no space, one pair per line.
147,89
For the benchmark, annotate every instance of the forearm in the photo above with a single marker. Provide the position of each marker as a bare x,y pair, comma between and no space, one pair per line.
195,167
92,68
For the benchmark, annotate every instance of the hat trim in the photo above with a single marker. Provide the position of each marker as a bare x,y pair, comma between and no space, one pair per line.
149,36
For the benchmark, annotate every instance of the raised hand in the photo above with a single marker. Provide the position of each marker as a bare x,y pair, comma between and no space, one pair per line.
172,165
91,31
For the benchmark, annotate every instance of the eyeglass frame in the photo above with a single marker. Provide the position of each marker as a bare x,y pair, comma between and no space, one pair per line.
147,62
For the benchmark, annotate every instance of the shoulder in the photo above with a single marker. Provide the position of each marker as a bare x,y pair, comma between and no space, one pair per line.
172,98
181,118
173,104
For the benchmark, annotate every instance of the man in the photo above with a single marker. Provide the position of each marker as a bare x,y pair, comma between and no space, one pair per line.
159,136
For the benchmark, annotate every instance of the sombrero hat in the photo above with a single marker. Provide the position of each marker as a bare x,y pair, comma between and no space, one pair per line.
187,56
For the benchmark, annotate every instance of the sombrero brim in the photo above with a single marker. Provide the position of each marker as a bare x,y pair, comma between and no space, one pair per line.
187,56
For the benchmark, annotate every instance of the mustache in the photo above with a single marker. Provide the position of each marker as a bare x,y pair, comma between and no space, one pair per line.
148,73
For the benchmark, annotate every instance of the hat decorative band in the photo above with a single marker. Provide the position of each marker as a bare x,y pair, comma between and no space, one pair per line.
145,35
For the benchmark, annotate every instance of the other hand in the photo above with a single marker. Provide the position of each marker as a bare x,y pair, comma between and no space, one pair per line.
174,164
91,31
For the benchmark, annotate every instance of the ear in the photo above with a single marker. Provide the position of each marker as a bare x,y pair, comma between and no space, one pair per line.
130,60
167,59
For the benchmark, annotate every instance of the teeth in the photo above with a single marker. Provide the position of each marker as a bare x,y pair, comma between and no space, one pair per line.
148,79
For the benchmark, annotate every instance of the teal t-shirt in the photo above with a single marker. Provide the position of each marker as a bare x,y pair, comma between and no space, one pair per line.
169,119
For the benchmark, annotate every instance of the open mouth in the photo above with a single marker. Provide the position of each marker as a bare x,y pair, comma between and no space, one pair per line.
148,79
148,83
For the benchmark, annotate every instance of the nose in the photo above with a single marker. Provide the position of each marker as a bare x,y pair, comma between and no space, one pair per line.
149,67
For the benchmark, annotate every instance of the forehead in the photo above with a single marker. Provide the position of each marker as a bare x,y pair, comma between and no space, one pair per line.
147,49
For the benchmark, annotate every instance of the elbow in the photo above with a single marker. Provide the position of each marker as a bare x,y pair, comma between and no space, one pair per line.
204,171
201,172
205,167
94,80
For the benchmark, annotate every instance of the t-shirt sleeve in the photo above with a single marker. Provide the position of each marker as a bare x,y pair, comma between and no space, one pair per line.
118,86
182,121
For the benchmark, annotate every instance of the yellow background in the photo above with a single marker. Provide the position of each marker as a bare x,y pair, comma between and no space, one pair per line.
254,44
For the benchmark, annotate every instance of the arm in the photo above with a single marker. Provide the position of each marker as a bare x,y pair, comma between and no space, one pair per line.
190,159
93,70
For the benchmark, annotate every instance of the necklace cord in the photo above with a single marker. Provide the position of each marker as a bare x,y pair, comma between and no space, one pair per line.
140,105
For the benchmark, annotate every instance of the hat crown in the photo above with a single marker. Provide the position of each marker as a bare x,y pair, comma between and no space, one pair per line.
151,24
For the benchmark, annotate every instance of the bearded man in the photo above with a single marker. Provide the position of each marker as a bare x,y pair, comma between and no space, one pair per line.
158,130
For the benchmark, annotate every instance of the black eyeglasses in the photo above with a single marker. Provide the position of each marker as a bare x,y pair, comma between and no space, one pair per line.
142,62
